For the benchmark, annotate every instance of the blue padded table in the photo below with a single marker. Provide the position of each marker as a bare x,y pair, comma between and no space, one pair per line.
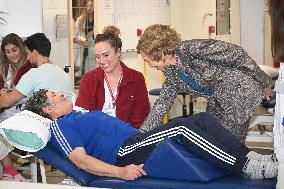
229,182
171,160
51,156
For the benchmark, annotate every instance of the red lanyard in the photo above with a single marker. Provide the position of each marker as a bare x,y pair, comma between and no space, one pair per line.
117,88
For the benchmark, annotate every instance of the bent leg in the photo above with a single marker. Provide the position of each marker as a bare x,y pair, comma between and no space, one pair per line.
200,132
207,123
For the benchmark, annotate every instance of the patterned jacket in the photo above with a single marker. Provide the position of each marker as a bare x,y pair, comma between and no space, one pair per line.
232,77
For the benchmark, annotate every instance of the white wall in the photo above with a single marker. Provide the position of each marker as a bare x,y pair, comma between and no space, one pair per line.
59,47
24,17
252,28
194,23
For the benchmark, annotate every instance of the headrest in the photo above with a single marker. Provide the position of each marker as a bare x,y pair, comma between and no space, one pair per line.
26,131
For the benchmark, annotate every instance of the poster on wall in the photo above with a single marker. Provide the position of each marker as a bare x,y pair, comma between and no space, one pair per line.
132,17
222,17
61,27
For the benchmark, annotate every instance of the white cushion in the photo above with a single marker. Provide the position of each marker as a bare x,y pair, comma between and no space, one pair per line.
26,131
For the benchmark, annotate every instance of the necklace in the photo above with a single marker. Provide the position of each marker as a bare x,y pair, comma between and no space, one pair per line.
47,62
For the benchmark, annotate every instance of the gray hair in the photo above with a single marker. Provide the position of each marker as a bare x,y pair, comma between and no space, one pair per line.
37,102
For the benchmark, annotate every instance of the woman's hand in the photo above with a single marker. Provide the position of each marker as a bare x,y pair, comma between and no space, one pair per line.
132,172
268,92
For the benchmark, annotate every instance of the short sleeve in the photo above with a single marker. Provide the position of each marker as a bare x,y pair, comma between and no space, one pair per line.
65,138
25,85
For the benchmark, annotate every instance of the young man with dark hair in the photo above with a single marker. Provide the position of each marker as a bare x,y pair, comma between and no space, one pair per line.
105,146
40,43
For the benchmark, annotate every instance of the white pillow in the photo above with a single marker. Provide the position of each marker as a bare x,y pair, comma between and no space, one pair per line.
26,131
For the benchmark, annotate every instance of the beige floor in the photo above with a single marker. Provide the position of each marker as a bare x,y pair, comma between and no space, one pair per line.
54,176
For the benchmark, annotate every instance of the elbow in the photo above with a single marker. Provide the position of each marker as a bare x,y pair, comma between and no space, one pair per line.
80,163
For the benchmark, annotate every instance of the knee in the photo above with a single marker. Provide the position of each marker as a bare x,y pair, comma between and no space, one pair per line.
196,118
203,115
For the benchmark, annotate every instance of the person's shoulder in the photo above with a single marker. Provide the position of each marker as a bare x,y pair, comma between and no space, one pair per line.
196,41
32,71
89,115
45,67
68,117
96,113
52,68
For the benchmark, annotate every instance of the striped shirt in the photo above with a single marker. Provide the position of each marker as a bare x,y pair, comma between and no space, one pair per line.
98,133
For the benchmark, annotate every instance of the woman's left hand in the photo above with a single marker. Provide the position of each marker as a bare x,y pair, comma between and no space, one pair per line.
268,92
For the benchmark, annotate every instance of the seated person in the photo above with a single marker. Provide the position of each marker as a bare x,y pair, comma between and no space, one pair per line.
106,146
112,87
13,65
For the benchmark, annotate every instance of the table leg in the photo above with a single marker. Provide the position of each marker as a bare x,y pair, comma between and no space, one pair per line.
190,105
184,113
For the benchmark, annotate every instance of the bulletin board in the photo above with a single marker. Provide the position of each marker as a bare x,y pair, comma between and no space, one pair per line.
61,27
132,15
223,17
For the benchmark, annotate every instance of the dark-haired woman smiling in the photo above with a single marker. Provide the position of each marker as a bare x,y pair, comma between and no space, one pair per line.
113,87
